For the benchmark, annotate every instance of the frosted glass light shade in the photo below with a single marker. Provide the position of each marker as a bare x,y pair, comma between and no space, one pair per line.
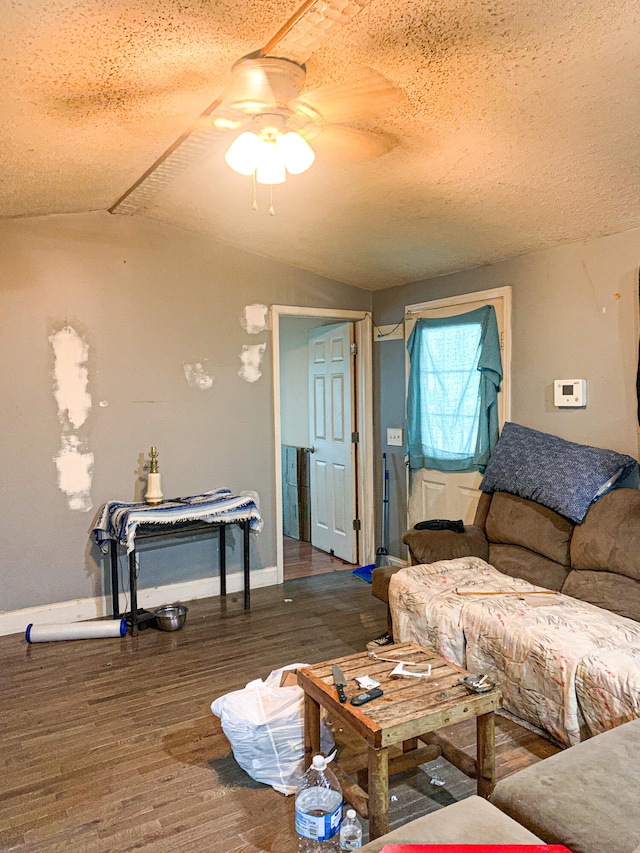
297,153
271,166
243,153
270,155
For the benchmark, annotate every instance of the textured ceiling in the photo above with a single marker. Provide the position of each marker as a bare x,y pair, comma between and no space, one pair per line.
503,126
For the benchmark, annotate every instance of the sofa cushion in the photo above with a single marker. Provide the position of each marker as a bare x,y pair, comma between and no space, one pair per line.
429,546
608,538
521,563
608,687
532,650
426,607
585,797
470,821
484,502
616,593
512,520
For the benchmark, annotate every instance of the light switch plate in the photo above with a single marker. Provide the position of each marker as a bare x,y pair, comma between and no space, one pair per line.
395,437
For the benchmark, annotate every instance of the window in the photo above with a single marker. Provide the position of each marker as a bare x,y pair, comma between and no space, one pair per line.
454,379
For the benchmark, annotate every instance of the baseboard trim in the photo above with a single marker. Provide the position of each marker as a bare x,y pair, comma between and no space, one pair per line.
80,609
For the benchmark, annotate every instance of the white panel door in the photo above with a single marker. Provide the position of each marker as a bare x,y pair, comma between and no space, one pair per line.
333,492
455,494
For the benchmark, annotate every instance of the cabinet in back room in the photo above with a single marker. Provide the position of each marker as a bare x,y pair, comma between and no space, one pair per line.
296,503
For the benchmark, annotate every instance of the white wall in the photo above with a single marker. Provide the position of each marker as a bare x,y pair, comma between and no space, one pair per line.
575,315
146,299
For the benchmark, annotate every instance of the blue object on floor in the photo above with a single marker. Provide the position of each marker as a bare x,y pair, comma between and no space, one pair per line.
364,572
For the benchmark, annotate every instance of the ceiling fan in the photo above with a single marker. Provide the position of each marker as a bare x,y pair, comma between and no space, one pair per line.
264,98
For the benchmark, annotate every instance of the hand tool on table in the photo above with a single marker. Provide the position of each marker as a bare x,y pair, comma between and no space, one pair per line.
340,681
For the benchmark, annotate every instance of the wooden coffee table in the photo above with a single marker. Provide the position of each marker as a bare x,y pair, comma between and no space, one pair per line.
410,710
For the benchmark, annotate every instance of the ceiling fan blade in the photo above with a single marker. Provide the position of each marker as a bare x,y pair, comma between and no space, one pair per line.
354,144
367,95
301,35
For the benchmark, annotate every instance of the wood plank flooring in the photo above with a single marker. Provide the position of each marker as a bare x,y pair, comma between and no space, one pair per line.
109,745
301,560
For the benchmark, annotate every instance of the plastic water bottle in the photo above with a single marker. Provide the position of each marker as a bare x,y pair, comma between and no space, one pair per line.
318,809
350,832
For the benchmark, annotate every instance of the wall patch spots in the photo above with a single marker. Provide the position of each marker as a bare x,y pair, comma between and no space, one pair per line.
71,376
75,473
74,463
198,374
254,318
251,356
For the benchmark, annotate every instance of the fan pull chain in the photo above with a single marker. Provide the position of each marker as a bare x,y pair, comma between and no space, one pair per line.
272,210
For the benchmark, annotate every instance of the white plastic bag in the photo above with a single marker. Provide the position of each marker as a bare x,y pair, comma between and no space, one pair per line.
264,724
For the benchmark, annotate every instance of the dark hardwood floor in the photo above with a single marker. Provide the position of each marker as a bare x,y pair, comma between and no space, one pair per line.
301,560
110,745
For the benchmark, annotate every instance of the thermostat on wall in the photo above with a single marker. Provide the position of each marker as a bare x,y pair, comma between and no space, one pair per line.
570,393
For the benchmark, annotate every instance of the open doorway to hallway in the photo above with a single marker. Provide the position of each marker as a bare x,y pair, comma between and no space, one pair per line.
317,420
315,408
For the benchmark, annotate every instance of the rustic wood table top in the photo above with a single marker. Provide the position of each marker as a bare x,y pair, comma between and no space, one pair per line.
409,706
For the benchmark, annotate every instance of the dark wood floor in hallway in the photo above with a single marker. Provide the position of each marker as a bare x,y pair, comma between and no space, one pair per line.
110,745
301,560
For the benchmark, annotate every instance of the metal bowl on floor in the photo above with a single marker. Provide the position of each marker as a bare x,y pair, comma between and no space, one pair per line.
171,617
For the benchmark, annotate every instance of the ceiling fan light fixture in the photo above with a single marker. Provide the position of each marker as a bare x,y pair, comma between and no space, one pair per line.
270,154
297,153
244,153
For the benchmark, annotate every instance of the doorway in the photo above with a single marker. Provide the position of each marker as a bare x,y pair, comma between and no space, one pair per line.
455,494
293,413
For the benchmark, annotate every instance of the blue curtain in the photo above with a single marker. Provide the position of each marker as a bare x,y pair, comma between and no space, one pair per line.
455,375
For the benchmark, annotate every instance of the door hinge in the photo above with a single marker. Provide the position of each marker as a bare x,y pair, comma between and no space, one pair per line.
356,524
502,341
353,349
355,437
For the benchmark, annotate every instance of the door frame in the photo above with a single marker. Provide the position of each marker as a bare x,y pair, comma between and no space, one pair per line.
363,378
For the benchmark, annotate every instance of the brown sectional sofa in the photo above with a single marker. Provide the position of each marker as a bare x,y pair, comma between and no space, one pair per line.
597,561
586,797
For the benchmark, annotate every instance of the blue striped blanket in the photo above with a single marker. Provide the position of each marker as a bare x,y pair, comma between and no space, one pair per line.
118,520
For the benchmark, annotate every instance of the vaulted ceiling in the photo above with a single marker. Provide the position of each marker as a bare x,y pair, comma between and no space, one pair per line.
454,133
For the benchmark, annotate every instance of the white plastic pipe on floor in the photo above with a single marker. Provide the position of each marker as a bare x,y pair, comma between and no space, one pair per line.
76,630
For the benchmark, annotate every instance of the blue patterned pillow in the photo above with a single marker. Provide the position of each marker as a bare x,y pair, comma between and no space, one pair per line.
560,474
